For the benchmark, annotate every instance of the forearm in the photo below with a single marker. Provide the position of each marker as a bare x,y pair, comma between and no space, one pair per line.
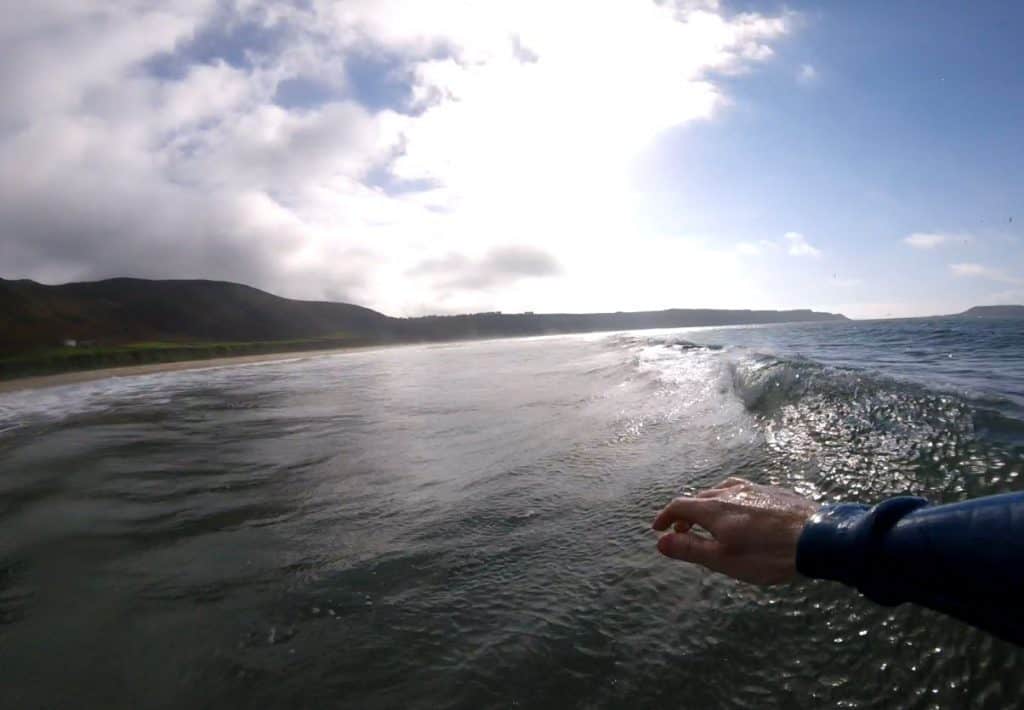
965,559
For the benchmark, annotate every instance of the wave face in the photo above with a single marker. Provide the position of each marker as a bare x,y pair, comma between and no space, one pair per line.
466,525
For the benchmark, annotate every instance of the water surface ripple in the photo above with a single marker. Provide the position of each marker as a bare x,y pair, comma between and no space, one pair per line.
467,525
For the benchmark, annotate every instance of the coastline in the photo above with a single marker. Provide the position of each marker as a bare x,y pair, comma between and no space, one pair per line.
58,379
76,376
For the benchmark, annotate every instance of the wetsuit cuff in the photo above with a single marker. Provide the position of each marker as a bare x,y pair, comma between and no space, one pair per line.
831,543
843,542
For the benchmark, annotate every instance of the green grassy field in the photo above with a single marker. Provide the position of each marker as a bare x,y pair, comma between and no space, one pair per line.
67,359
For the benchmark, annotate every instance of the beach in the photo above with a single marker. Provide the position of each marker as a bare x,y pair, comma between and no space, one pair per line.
79,376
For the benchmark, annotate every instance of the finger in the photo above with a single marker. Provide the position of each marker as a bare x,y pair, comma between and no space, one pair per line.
690,548
730,482
723,487
682,526
702,511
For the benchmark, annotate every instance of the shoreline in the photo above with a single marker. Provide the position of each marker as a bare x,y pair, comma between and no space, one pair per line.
70,377
33,382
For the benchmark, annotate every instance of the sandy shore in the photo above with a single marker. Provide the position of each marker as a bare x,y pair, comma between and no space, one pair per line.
70,378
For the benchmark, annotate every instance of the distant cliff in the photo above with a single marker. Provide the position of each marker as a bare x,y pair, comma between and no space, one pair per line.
121,311
993,312
502,324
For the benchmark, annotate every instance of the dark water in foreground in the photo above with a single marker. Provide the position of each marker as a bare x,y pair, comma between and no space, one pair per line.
466,526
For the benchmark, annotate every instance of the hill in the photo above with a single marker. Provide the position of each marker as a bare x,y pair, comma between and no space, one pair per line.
993,312
127,310
126,321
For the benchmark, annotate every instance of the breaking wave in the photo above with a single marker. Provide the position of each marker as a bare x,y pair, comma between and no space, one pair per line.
845,431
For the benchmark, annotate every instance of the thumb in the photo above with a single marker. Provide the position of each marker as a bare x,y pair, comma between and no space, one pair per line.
690,548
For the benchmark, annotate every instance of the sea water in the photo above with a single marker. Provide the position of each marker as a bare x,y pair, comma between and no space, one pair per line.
467,525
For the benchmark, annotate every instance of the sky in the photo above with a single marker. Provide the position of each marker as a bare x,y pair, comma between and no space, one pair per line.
444,156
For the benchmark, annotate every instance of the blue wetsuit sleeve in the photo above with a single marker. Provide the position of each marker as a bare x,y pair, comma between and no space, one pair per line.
964,559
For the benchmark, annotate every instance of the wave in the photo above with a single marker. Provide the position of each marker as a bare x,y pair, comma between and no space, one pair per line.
670,340
846,429
766,382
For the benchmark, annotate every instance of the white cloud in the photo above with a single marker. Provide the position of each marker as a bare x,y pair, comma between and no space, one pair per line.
794,244
522,118
930,240
799,246
807,74
923,240
971,270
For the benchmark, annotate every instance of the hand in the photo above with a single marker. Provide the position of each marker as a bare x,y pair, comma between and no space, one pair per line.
753,530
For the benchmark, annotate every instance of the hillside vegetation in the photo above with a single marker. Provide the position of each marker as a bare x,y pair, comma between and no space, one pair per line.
126,321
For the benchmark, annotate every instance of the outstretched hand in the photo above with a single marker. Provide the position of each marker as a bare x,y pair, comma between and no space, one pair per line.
753,530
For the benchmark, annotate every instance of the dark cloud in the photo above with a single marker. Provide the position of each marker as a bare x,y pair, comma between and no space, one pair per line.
499,266
520,261
84,232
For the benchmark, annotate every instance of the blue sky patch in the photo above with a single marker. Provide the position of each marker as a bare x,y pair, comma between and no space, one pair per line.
225,39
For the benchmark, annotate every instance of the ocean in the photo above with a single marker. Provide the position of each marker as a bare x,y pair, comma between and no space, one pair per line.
467,525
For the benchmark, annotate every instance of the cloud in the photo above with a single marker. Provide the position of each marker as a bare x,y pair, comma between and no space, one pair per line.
798,245
807,74
794,244
930,240
923,240
971,270
333,147
502,265
520,261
